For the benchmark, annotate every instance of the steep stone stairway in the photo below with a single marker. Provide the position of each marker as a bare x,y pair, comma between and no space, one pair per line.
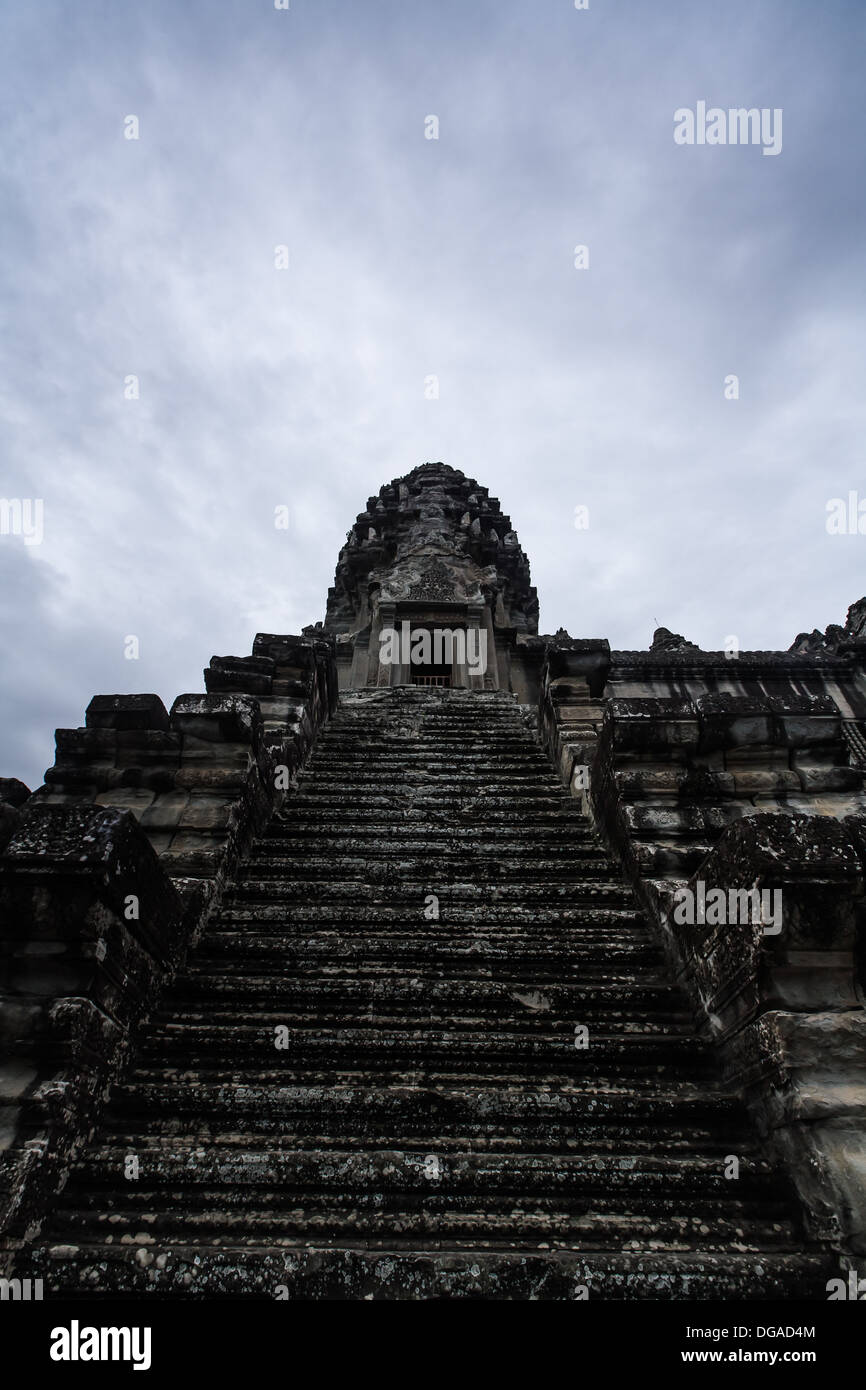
430,922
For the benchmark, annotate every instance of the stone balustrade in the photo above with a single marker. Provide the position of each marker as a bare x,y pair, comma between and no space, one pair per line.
109,871
737,792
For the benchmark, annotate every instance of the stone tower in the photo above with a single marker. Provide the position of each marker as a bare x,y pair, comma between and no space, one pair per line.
433,550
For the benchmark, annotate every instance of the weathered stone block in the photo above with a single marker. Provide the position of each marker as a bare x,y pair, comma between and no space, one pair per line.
13,792
81,783
220,718
134,799
152,779
126,712
730,721
676,861
647,725
259,665
664,819
830,779
588,659
757,782
105,848
248,675
77,746
206,813
165,812
193,856
147,747
285,650
211,777
804,720
716,819
299,689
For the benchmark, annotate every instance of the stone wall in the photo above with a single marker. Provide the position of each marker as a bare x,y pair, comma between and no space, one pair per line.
108,873
786,1009
755,786
91,929
204,776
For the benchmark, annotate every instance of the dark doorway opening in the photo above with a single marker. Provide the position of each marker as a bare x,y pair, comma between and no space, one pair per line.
433,672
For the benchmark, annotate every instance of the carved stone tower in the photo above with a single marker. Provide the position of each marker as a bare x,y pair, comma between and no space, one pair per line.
433,551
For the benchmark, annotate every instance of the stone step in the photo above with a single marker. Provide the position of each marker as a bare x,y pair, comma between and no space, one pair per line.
362,761
572,954
372,1048
277,1175
576,956
437,749
457,1270
368,756
592,911
132,1215
501,1023
460,707
406,723
421,736
506,1015
389,862
423,798
395,990
492,782
562,829
656,1112
141,1134
241,957
431,1129
456,896
224,1115
468,836
635,1083
512,855
418,819
227,972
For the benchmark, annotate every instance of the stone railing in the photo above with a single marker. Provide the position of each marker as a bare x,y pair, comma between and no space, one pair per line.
571,707
91,929
108,873
736,793
202,780
671,774
782,997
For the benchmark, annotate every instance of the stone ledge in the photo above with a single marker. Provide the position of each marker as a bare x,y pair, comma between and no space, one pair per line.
218,718
126,712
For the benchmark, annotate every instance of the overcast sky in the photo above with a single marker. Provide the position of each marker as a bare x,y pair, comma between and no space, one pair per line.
411,257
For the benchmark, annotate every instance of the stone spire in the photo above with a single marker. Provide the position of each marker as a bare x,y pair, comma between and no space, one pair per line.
432,546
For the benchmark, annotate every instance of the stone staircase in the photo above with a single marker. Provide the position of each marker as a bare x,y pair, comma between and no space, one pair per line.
429,921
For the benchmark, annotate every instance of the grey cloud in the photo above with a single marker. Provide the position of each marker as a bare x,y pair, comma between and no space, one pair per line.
408,257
